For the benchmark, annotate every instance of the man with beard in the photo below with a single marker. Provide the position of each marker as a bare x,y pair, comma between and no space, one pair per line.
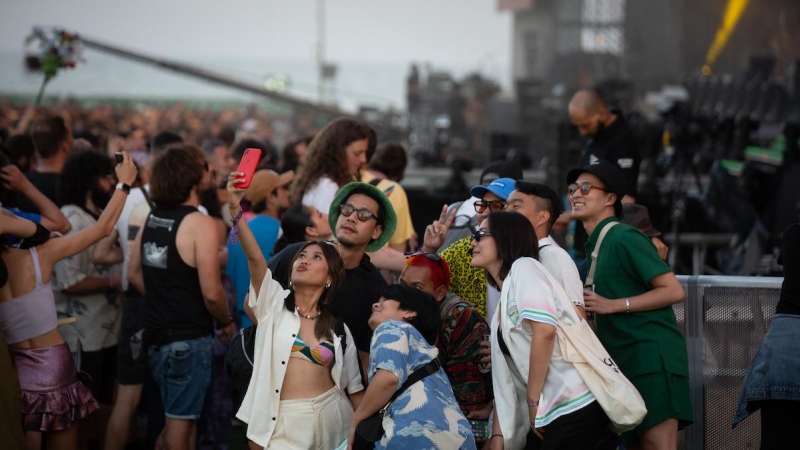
362,220
89,292
610,137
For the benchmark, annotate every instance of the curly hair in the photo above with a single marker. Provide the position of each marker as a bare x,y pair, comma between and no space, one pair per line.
326,320
326,155
80,174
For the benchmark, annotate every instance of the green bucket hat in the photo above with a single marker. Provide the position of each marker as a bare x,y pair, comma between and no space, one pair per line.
389,217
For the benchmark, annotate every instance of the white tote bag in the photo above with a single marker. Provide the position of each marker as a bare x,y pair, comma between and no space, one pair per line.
579,345
617,396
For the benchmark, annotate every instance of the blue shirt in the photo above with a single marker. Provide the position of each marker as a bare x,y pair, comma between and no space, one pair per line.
265,229
33,217
426,415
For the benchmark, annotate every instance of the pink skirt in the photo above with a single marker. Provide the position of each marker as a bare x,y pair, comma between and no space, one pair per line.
52,395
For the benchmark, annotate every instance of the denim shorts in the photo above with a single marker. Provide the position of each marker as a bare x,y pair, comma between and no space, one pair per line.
182,370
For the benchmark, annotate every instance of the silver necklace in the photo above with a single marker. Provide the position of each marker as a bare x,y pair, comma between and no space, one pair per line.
307,317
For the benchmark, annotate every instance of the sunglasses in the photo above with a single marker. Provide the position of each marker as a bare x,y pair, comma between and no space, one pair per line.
431,256
362,214
479,234
494,206
585,188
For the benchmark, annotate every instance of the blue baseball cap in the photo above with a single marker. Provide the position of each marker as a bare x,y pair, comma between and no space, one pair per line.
501,187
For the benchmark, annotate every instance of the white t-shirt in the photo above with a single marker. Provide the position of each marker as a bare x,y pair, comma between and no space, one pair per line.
321,194
135,198
557,261
529,292
465,212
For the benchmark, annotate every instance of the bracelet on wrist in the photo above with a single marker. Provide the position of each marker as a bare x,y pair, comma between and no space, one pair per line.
495,435
627,305
235,228
533,404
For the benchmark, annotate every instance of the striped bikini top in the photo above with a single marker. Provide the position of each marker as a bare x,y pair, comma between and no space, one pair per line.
321,353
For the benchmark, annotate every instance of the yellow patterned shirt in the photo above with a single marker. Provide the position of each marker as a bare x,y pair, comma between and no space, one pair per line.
466,281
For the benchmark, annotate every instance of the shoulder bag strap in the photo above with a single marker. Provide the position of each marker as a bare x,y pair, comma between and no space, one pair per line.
418,375
590,277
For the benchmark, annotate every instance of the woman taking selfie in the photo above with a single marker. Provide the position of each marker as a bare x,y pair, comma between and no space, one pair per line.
302,373
534,388
405,322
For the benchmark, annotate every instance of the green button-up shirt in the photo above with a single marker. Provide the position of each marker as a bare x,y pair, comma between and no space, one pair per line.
640,342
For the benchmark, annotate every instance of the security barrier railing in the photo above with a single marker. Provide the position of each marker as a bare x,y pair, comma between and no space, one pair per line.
724,320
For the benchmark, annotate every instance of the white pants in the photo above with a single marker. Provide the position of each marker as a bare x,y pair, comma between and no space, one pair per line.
319,423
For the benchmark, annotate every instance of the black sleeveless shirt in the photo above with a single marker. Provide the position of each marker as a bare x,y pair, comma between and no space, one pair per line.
174,307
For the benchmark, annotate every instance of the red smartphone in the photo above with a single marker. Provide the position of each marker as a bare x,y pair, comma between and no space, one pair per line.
248,166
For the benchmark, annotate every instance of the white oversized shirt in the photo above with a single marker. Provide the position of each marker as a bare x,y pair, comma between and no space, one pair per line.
276,332
557,261
529,293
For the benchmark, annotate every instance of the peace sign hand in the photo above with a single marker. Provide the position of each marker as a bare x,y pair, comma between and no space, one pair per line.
436,232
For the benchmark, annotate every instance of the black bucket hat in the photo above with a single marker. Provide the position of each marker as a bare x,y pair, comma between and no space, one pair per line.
610,175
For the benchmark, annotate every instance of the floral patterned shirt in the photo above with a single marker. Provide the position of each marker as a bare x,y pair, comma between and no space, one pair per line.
98,314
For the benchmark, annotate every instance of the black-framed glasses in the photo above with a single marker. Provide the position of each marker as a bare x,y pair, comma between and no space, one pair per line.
479,234
362,214
431,256
585,188
494,206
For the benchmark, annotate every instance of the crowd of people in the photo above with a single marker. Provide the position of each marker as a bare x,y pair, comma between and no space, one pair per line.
125,285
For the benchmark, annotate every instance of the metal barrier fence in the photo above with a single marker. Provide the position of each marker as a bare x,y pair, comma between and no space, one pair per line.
724,320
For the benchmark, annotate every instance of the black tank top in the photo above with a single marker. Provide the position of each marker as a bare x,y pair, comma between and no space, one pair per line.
174,307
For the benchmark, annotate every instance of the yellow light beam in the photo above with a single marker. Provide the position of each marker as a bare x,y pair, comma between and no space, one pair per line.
733,12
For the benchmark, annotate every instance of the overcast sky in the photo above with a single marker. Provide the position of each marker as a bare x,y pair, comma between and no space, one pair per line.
442,31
